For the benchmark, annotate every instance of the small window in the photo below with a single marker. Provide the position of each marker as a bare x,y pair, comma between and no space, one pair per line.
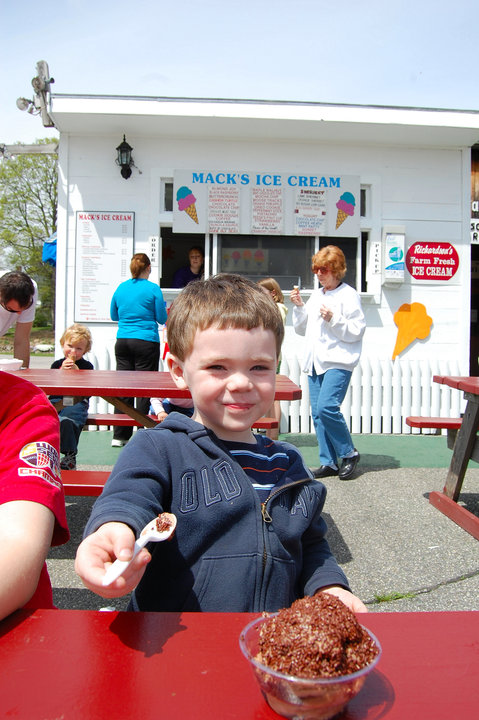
175,248
168,197
364,260
363,202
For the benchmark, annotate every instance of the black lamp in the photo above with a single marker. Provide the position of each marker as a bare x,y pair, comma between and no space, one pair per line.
124,159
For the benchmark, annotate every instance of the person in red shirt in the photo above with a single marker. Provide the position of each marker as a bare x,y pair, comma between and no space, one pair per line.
32,502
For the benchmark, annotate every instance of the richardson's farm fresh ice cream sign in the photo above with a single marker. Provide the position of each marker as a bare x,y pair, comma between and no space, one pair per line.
432,261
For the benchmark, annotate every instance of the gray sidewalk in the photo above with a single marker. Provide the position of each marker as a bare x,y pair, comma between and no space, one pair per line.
398,551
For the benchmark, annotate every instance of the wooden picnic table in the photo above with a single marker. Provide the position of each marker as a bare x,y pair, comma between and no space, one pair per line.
112,385
78,664
465,447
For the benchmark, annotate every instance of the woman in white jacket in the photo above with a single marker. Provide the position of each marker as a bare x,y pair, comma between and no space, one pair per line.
333,322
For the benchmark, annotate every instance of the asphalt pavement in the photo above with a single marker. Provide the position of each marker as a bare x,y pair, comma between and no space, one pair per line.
398,551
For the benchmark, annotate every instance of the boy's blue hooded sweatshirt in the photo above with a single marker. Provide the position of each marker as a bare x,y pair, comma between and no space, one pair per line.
230,552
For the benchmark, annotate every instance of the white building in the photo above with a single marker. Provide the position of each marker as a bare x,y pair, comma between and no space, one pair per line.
266,178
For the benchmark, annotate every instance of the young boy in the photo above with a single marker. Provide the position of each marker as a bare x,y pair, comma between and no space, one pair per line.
75,342
250,536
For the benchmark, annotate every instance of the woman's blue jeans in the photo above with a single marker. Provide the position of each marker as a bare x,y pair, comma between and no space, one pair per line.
326,393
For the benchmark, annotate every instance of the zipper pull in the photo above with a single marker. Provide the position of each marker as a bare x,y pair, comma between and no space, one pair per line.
264,512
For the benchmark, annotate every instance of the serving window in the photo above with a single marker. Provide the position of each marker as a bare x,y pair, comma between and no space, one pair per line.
287,259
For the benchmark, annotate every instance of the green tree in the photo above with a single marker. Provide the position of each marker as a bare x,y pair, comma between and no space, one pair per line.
28,216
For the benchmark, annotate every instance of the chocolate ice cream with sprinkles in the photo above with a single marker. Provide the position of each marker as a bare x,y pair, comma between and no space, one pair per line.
317,637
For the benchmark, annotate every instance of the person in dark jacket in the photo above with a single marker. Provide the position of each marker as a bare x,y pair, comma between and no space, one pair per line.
250,534
191,272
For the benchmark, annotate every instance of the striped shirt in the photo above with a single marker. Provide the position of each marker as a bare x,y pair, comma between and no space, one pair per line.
265,462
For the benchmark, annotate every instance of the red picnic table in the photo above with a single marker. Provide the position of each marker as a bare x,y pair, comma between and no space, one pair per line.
465,447
78,664
112,385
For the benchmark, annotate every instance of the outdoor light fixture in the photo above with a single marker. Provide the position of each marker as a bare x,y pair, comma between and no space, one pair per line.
124,159
24,104
41,95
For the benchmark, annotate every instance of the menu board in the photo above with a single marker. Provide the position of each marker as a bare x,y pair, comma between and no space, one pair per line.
223,209
310,212
267,211
104,247
266,203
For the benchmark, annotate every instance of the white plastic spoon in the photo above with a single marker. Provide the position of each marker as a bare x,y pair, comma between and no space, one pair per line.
150,533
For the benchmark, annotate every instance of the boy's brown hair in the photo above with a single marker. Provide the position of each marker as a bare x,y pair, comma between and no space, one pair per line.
77,332
223,301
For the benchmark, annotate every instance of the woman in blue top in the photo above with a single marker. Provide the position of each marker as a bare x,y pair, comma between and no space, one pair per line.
138,306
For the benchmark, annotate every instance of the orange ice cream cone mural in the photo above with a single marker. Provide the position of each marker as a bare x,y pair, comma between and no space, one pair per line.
413,323
345,206
187,202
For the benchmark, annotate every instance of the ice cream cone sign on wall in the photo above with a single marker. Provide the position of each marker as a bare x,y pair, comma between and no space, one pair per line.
345,206
187,202
413,323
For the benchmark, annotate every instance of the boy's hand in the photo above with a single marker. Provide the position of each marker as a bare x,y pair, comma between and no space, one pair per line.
352,602
98,551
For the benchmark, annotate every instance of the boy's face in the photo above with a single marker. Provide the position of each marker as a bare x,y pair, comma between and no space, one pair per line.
74,349
231,376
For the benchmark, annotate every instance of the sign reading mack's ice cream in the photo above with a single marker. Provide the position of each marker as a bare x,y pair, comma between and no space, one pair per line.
104,246
265,203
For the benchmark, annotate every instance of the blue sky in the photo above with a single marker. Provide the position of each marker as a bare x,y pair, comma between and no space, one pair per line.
409,53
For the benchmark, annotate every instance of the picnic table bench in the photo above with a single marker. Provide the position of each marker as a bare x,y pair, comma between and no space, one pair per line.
434,423
450,424
84,483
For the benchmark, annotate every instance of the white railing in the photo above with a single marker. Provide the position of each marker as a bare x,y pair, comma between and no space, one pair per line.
382,393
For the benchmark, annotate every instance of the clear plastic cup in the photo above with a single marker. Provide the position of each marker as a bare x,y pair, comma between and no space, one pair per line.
302,698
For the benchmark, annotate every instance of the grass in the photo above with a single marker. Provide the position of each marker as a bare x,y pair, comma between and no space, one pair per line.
38,336
393,596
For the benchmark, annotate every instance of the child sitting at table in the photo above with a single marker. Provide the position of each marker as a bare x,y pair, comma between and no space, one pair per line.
250,535
75,342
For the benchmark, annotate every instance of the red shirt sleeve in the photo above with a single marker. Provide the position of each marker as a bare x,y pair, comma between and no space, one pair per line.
29,459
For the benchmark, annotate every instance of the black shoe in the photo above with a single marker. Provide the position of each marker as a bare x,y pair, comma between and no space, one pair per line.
324,471
69,461
348,466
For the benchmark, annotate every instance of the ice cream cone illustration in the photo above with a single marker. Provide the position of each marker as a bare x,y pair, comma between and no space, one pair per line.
187,202
345,206
259,257
413,323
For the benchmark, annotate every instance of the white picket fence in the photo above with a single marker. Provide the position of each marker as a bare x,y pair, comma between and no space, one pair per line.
381,394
